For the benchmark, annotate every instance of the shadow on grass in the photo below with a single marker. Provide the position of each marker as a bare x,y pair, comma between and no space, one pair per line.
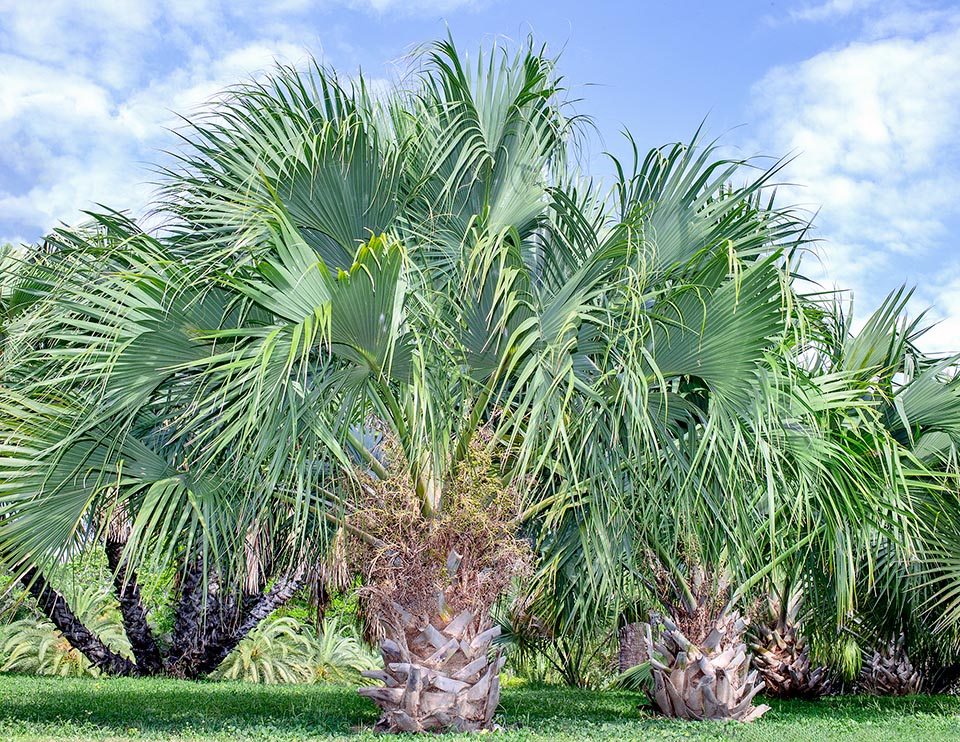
117,706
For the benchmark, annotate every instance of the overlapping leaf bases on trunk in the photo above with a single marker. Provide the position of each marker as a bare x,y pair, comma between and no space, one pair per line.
429,586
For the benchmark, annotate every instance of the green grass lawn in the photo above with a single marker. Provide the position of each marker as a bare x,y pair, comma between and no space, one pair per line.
33,708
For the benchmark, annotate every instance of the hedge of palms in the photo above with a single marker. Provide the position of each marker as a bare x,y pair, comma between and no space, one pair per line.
402,330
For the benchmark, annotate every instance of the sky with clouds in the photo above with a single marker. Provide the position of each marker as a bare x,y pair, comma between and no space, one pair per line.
864,95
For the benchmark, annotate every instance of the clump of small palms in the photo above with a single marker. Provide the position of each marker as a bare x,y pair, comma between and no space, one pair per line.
902,421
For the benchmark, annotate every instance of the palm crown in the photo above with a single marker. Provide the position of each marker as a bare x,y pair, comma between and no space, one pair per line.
428,260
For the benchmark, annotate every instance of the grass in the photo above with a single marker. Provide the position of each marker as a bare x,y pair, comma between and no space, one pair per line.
40,708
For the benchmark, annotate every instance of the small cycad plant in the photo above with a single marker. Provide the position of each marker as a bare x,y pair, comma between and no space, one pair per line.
33,645
340,654
279,651
285,650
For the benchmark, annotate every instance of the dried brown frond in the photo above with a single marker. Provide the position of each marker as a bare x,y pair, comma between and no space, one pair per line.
462,557
710,591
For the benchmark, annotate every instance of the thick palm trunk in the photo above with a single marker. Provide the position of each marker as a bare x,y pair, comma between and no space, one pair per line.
711,680
431,576
889,672
209,624
782,657
143,645
224,638
186,642
438,673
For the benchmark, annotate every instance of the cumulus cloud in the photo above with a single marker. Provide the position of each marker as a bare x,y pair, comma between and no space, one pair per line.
75,142
830,9
420,7
872,125
88,88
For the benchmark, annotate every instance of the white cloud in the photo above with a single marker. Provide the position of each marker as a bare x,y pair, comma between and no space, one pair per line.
158,106
941,293
830,9
86,97
908,19
873,125
409,7
99,38
88,87
65,146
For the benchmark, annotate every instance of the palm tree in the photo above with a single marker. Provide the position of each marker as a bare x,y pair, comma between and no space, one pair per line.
211,616
818,480
406,318
889,415
782,654
847,375
907,622
22,282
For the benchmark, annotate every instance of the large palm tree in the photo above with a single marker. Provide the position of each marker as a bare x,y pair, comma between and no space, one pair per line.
405,320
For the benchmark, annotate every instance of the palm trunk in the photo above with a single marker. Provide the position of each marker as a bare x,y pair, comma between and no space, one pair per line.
208,625
431,576
221,639
186,646
146,653
438,672
711,680
889,672
54,606
629,653
939,677
782,658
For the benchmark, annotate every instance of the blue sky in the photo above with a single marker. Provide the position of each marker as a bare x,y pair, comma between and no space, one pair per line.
865,94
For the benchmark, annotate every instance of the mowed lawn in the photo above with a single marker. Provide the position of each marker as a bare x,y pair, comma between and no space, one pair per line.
33,708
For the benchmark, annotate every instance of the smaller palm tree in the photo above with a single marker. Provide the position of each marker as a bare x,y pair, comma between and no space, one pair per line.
782,654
